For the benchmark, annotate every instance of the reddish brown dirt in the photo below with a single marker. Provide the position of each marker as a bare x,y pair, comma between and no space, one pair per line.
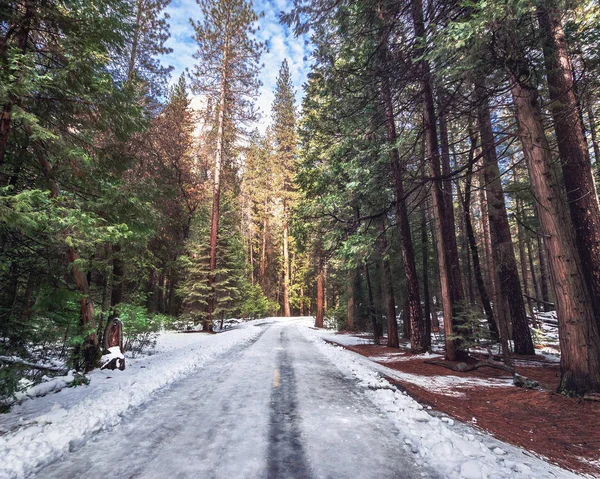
559,428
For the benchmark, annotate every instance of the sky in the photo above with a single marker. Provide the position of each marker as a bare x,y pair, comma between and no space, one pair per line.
280,40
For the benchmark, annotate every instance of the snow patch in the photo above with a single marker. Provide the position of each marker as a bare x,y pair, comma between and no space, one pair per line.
455,451
41,431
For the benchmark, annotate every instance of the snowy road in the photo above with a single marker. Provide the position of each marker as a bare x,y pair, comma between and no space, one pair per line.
276,408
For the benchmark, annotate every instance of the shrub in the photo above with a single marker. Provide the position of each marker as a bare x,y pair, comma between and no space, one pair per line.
140,328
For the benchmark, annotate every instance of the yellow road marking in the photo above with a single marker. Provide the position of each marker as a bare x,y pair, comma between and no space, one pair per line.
276,378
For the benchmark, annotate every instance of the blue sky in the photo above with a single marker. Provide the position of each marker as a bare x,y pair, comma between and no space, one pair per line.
281,43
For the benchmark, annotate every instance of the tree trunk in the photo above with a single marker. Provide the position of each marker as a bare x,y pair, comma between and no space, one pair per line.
425,267
150,293
160,293
483,294
420,341
388,288
372,313
523,259
214,225
320,295
573,150
406,326
543,272
263,257
578,328
351,306
286,268
534,280
450,277
593,133
501,244
135,40
251,259
89,349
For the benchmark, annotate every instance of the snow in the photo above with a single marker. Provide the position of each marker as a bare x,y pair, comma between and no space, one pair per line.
113,353
344,339
46,387
448,385
455,450
40,431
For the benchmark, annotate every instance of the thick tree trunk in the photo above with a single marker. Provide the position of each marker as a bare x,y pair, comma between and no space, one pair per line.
450,277
578,329
573,149
501,244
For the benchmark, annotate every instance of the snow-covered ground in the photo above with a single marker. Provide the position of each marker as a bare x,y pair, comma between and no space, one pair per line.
454,449
41,430
448,385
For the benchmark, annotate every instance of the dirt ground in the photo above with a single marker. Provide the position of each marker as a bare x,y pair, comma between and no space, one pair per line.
564,430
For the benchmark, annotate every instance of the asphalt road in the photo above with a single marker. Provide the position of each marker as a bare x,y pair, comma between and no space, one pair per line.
273,409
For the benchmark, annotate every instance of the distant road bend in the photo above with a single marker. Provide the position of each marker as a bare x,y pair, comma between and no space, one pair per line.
276,408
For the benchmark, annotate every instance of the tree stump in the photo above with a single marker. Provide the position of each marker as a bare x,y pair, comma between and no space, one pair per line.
113,357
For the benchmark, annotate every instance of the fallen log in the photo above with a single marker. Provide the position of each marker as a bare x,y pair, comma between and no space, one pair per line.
465,368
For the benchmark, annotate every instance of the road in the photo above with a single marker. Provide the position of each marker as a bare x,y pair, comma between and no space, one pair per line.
273,409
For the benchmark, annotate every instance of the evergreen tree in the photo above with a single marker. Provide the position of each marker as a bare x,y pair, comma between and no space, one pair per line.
226,75
284,155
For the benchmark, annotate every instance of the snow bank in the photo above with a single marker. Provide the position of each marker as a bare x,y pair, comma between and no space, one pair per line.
344,339
40,431
453,449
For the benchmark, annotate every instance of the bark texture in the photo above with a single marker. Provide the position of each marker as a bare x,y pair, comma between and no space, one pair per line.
578,329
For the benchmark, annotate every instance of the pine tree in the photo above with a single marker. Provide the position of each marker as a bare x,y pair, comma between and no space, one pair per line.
283,158
226,75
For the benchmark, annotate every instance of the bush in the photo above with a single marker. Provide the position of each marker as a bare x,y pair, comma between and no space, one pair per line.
140,328
474,331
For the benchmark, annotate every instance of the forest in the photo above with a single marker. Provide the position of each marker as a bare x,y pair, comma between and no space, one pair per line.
436,180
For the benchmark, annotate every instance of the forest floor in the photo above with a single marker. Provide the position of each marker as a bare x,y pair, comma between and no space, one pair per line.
564,430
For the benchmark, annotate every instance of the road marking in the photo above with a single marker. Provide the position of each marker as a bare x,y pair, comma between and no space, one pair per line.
276,378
